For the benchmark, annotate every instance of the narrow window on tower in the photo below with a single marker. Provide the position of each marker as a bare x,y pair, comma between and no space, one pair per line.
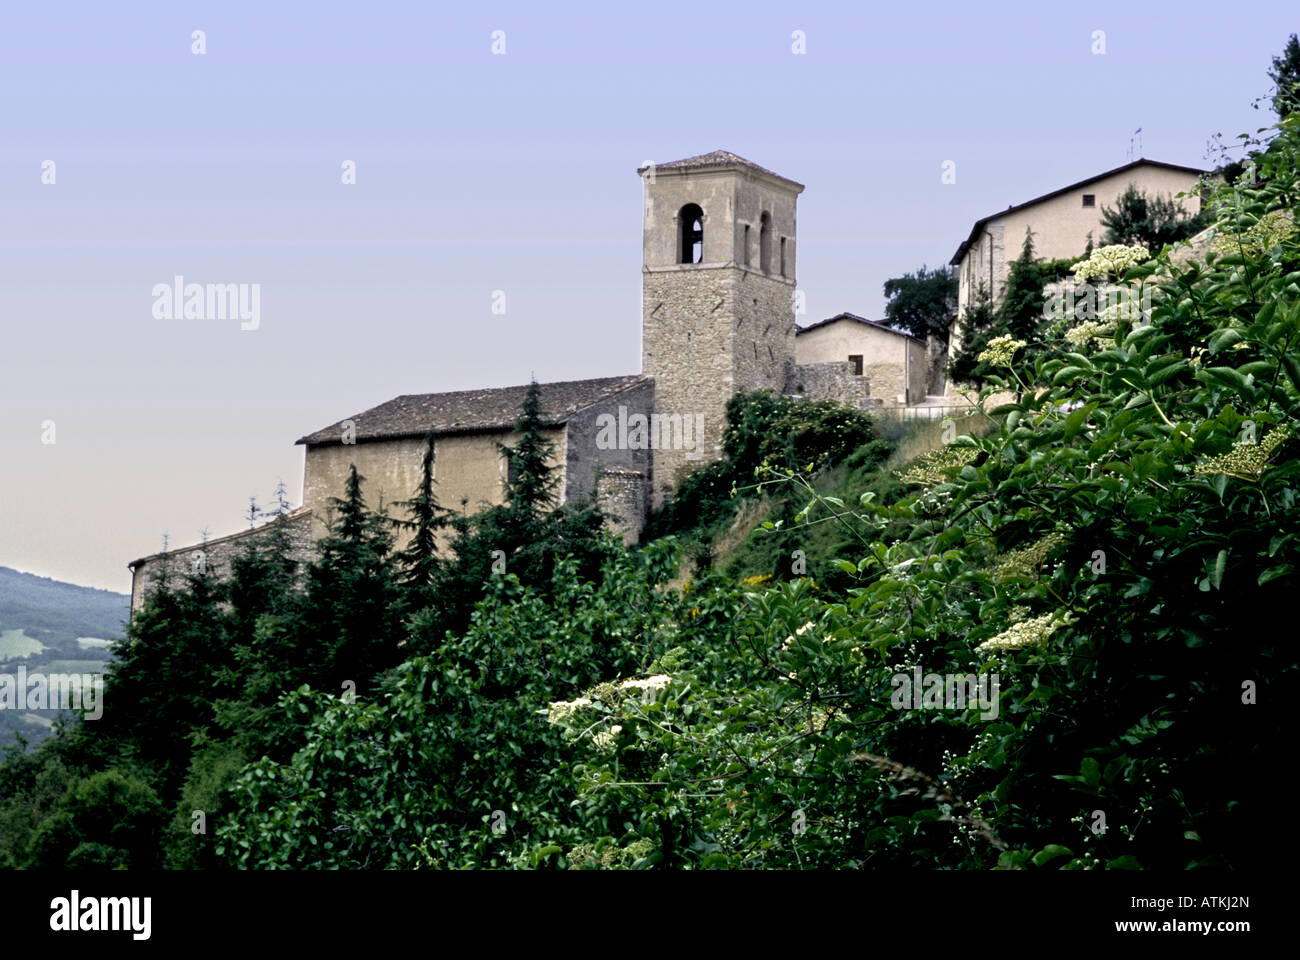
765,243
783,256
691,233
746,247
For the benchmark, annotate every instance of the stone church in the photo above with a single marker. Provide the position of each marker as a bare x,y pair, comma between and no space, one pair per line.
717,318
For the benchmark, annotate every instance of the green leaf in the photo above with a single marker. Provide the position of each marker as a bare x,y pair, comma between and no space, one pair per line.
1224,337
1090,770
1075,421
1224,376
1220,565
1051,852
1273,573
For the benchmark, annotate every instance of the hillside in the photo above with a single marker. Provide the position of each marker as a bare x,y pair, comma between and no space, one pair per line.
48,626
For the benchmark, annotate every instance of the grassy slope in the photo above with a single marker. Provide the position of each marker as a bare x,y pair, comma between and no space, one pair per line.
737,544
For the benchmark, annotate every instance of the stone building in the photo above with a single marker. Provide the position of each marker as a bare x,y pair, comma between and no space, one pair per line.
1061,222
214,556
898,366
718,284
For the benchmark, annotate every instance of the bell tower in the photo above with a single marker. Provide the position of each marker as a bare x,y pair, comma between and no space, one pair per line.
717,305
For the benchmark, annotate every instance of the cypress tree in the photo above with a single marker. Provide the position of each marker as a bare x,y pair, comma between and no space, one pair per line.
419,560
354,604
978,322
1021,311
531,482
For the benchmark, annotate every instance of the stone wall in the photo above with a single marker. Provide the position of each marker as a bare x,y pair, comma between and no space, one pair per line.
723,325
469,469
936,358
300,529
624,497
830,381
899,367
709,333
585,459
919,370
686,347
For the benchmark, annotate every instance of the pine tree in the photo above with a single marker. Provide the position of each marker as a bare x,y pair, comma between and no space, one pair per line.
167,674
1285,74
531,481
419,560
354,609
978,321
1152,222
1021,312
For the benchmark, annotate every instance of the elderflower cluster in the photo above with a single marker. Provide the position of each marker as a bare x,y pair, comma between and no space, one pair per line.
1000,351
932,468
1089,330
1245,460
605,741
1112,260
649,684
818,719
1026,562
563,709
1273,230
932,502
1026,633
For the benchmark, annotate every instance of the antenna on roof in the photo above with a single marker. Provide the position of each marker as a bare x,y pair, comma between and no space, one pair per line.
1137,136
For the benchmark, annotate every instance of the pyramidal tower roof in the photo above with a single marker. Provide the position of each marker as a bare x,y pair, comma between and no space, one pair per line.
719,159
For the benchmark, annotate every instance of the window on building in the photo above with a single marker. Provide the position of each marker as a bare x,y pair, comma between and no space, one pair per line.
783,256
746,242
1089,199
855,359
765,243
691,233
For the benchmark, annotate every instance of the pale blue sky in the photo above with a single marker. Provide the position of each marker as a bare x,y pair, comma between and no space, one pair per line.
476,173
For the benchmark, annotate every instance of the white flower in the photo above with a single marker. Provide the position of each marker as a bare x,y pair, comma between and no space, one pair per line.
1089,330
656,683
798,633
1026,633
649,687
1113,260
563,709
1000,351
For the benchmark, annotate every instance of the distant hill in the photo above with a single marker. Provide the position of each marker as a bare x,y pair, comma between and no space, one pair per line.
53,627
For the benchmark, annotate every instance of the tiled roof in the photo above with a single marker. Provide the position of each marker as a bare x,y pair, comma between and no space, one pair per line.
470,411
718,158
856,319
